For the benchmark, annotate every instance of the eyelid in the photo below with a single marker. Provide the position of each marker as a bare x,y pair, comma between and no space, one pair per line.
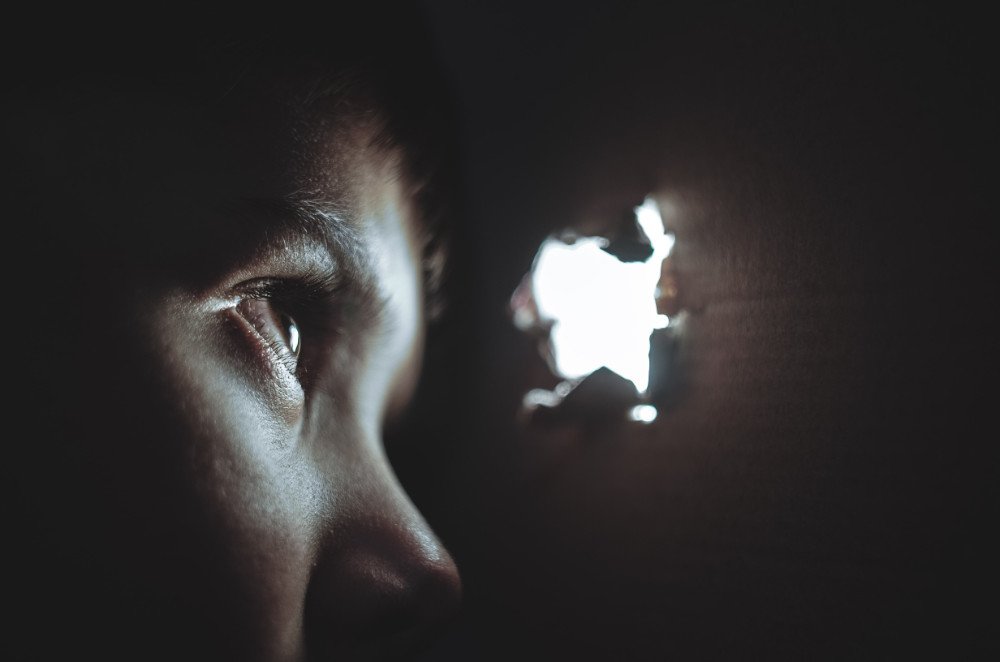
282,257
304,289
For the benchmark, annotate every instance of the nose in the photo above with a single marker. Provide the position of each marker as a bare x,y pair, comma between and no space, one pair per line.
383,584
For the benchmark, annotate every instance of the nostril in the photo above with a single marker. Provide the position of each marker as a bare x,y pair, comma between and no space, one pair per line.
377,599
417,620
439,594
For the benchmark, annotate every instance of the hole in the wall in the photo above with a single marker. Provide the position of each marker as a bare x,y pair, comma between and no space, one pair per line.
595,302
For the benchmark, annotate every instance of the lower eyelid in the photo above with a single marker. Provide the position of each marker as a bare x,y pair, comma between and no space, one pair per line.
259,370
266,350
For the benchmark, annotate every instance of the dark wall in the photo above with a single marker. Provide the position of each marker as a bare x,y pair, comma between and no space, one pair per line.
816,490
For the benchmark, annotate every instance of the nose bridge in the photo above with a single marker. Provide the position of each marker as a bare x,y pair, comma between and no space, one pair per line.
382,580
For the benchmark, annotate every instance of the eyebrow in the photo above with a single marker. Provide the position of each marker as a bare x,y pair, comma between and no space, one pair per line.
325,224
322,222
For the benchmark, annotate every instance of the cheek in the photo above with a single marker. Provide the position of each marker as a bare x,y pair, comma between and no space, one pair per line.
248,502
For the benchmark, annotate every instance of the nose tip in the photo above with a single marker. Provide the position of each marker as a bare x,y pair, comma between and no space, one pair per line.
382,587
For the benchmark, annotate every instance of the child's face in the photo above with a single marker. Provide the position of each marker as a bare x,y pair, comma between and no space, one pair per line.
259,324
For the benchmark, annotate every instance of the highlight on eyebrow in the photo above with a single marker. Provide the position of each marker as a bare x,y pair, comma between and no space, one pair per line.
321,221
298,230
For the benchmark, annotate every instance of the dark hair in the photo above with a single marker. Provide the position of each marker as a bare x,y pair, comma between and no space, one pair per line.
374,59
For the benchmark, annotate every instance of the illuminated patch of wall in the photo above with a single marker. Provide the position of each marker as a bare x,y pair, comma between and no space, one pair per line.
598,308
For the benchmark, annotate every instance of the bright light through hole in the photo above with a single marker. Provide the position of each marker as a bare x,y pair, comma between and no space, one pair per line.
602,310
642,413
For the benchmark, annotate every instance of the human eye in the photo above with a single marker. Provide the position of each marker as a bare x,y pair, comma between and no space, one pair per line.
285,317
277,329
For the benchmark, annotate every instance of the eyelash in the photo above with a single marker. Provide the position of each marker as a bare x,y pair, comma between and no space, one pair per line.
310,302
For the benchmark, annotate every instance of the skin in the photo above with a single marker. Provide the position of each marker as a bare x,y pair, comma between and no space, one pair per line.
211,495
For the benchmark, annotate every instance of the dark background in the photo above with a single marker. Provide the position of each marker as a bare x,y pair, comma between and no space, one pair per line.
820,487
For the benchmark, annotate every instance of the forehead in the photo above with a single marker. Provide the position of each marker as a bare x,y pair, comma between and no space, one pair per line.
156,171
